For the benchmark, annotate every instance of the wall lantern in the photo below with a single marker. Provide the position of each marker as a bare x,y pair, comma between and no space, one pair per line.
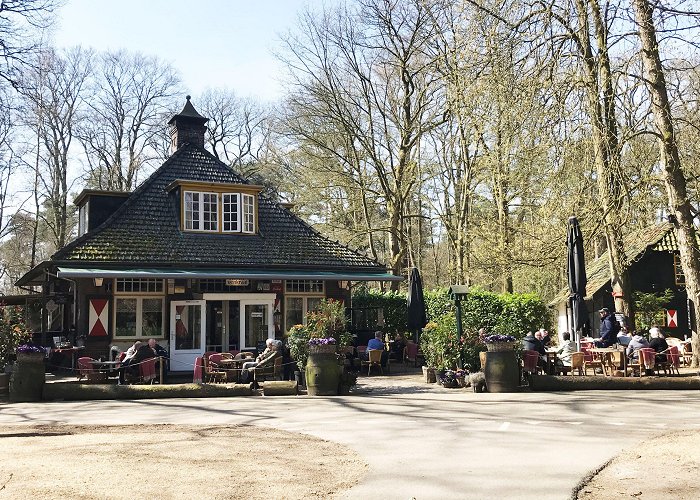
98,281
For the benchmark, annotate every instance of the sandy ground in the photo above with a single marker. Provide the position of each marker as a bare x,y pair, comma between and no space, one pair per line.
665,466
167,461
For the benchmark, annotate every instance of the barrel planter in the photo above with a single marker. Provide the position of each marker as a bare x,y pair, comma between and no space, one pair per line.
322,371
501,371
28,377
4,383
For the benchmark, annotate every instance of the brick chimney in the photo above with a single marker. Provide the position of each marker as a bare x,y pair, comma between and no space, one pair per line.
187,127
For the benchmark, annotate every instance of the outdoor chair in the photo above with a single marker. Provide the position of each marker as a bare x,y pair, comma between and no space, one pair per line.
482,360
612,362
374,358
577,363
233,352
272,370
686,353
211,374
590,362
410,353
530,359
361,349
147,370
86,369
673,360
647,359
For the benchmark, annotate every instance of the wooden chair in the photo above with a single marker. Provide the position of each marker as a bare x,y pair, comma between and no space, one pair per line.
686,353
529,362
577,363
211,373
590,362
374,358
271,370
482,360
633,365
87,369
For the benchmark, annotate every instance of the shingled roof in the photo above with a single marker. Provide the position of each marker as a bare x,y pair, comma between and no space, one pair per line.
657,237
145,230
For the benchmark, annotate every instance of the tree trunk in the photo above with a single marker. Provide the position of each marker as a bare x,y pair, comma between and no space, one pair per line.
674,178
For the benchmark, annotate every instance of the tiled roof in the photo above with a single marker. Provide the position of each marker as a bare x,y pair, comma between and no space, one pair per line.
145,229
636,244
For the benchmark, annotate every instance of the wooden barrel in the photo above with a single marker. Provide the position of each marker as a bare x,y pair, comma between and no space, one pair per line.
322,374
501,371
28,377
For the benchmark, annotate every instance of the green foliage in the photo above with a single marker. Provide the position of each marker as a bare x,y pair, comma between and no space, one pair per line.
443,350
437,303
393,305
649,307
327,320
13,332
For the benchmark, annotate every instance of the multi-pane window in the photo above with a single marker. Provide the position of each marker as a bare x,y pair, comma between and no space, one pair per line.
304,286
138,285
248,213
230,212
296,308
138,317
678,270
201,211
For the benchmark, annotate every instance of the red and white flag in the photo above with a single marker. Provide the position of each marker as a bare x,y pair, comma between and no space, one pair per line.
672,318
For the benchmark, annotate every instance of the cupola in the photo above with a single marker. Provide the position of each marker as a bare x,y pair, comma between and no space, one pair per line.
187,127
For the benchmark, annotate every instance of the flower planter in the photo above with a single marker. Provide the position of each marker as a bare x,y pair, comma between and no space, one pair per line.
322,371
429,375
28,377
500,346
501,371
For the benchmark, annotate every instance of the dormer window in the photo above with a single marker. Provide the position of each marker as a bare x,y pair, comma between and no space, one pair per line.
218,208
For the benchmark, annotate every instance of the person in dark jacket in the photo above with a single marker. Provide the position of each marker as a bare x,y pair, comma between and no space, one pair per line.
132,365
532,343
608,329
658,343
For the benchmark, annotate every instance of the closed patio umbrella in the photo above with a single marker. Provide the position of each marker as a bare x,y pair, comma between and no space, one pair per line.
576,270
416,305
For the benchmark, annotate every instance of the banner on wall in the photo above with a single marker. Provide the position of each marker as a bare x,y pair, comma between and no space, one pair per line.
672,318
98,319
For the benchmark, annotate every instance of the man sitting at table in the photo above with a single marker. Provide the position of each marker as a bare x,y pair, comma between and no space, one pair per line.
637,342
532,343
131,365
658,343
376,344
263,359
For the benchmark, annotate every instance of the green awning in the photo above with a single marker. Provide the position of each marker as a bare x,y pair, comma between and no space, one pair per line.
194,273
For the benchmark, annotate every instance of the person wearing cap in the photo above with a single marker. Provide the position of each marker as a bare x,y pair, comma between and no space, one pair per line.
608,329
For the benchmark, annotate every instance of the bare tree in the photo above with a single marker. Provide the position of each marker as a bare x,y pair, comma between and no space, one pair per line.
20,20
129,97
53,91
366,72
674,178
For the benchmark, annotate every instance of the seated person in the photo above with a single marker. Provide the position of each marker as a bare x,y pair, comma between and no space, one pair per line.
144,352
376,344
532,343
131,351
163,356
564,352
658,343
398,346
263,358
637,342
624,337
545,338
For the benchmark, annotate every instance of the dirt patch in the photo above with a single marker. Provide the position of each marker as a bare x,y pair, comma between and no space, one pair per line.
169,461
665,466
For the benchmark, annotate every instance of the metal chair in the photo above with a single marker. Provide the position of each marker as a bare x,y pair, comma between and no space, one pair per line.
410,353
211,373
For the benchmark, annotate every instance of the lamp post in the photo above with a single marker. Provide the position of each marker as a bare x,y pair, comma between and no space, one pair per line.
457,294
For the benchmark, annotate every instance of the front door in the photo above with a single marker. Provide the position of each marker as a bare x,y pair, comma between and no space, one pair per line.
186,333
257,325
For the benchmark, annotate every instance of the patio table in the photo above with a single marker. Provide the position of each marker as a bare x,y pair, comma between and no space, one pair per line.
605,352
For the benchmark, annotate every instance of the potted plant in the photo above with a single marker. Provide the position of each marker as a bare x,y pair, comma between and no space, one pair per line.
497,342
13,332
501,366
28,376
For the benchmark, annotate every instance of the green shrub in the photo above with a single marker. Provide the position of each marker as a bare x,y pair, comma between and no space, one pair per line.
13,332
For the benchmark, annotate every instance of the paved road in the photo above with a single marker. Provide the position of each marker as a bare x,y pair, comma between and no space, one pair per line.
426,442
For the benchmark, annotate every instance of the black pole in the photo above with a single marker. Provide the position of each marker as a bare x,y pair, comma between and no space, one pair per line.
459,329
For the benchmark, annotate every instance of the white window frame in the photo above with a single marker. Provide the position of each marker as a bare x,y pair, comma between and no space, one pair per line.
142,283
304,308
83,219
139,315
248,213
236,218
190,220
289,286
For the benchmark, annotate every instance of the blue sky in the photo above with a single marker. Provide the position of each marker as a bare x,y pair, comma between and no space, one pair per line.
213,43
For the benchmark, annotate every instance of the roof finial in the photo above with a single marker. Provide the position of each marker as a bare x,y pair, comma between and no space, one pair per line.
188,97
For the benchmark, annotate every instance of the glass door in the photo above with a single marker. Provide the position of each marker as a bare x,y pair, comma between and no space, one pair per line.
256,323
186,333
